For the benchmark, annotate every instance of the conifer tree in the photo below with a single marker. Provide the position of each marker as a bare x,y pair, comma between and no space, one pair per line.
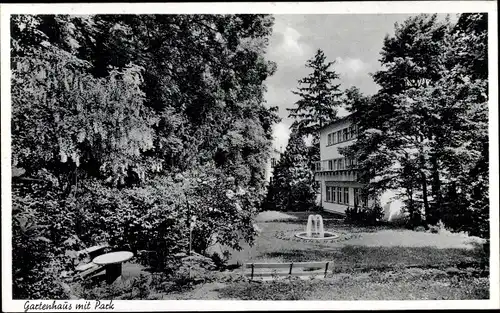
319,98
292,187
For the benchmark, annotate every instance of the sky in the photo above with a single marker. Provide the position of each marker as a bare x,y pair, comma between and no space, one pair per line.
354,41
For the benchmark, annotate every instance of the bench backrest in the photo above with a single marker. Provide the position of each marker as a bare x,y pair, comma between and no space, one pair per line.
290,266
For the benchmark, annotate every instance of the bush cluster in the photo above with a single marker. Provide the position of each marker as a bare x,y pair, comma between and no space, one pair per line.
364,215
48,228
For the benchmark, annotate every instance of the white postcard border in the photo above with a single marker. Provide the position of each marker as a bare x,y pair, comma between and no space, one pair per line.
383,7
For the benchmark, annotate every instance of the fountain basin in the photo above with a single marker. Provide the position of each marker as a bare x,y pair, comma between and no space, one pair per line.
316,236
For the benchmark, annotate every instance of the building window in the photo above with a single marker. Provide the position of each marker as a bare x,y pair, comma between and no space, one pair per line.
342,135
352,163
340,195
341,164
330,165
273,162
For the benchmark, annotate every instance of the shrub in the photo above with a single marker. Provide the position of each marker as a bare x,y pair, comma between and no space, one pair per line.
137,288
433,229
141,218
49,227
420,228
364,215
219,261
222,209
41,227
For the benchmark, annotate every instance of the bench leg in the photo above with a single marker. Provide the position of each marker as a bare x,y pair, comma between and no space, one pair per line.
113,271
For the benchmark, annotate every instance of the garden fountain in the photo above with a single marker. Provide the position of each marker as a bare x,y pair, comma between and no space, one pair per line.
315,230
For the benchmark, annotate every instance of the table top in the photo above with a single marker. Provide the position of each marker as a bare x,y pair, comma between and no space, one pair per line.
113,257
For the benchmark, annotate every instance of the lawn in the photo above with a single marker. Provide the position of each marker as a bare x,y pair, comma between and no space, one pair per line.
370,263
408,284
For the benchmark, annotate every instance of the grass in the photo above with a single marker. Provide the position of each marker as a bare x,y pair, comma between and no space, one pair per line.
360,247
393,285
349,258
370,263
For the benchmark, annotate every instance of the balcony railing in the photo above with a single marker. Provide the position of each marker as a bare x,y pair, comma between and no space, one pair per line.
327,165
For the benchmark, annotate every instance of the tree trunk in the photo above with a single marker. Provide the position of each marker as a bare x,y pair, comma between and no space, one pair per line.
424,196
436,189
423,179
414,215
412,206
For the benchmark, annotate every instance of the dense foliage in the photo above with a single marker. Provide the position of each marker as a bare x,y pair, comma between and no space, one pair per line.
121,124
425,133
292,187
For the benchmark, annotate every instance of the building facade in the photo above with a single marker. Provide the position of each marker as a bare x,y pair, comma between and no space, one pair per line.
338,175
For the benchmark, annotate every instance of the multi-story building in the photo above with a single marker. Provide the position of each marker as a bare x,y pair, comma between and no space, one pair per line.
338,175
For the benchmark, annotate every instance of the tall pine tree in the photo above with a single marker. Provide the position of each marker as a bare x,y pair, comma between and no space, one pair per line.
319,98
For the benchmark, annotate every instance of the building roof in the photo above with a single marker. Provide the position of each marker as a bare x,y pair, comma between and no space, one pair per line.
341,119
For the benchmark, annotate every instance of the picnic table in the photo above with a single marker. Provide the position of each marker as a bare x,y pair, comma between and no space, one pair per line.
113,263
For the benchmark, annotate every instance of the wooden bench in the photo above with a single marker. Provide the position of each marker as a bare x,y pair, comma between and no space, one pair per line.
301,269
86,270
94,251
87,267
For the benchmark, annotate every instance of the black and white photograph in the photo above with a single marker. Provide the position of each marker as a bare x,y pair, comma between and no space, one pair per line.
296,156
